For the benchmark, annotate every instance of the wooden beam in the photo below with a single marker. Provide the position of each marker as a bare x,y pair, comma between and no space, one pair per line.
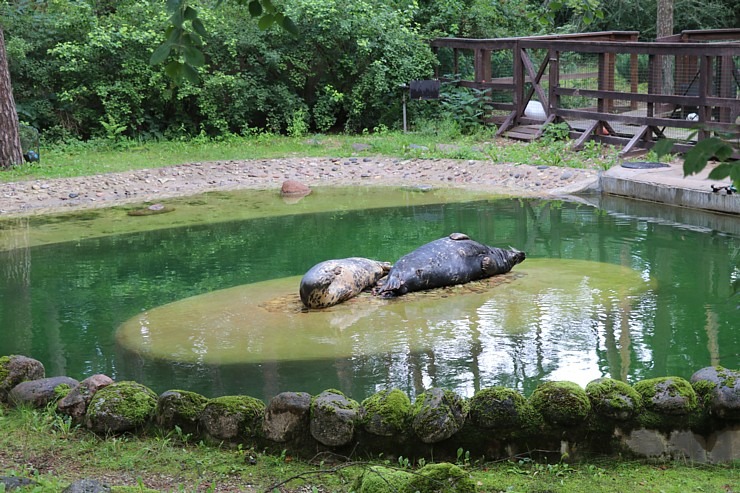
550,119
535,77
635,139
508,123
578,144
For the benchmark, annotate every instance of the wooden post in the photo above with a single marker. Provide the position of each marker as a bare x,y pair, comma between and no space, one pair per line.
518,81
482,65
705,82
554,82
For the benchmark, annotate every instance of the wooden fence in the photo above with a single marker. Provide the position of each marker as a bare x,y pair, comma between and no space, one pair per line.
606,86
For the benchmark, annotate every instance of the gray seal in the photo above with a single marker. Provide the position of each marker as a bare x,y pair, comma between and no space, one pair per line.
455,259
334,281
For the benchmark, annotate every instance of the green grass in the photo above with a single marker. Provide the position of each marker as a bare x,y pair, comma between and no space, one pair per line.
109,155
40,445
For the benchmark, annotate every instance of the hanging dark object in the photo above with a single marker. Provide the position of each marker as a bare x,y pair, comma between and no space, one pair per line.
424,89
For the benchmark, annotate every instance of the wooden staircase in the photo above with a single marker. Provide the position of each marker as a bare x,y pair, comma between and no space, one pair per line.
525,132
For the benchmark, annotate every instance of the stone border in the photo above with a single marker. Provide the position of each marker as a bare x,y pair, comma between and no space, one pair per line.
667,417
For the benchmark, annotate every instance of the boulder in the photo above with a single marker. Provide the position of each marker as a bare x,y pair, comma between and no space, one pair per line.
667,395
613,399
670,403
333,418
233,417
561,403
42,391
119,407
502,409
11,483
719,389
287,416
293,188
75,403
386,413
180,408
87,486
15,369
437,414
432,478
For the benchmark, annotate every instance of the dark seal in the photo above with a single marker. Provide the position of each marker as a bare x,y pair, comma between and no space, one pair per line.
445,262
338,280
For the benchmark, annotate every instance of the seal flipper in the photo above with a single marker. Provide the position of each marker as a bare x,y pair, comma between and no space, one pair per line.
388,287
458,236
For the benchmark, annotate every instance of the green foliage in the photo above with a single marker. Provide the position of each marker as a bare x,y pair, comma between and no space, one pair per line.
184,37
352,60
555,131
720,147
458,111
641,16
473,18
570,15
81,72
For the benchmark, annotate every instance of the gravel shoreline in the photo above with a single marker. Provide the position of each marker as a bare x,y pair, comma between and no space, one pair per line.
45,196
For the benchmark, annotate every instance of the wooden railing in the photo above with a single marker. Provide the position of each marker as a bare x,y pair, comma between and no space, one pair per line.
691,85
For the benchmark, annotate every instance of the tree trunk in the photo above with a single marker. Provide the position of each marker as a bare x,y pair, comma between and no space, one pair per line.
664,27
10,140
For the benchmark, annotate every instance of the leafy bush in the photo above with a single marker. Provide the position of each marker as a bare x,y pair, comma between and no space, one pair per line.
81,73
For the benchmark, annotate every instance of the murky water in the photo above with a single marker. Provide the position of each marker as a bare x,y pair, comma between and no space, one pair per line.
210,303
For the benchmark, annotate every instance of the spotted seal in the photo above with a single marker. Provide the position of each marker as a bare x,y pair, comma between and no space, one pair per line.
334,281
455,259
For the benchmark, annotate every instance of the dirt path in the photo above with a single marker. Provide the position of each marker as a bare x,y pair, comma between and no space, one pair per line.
106,190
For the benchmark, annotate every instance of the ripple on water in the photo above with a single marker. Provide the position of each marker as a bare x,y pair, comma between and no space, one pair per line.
558,300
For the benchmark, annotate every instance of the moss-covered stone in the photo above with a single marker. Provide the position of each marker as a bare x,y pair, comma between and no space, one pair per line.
16,369
4,371
669,402
62,391
378,479
501,408
432,478
121,406
718,391
180,408
444,478
232,417
333,418
386,413
437,414
561,403
613,399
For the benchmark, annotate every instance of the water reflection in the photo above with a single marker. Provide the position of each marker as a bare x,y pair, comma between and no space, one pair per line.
538,322
61,303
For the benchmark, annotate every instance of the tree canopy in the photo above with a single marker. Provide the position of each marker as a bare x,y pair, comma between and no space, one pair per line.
81,69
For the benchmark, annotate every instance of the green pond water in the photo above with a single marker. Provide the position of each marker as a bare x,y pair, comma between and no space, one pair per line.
205,298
